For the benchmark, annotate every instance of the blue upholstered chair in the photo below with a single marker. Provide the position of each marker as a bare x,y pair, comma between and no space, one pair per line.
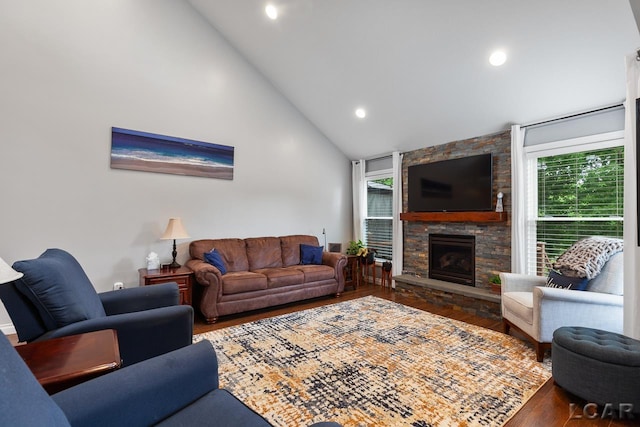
55,298
179,388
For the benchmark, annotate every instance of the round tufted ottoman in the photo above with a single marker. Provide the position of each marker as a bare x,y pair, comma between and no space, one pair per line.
598,366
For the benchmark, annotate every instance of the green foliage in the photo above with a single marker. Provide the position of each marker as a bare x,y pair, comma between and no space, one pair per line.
579,185
355,248
495,279
385,181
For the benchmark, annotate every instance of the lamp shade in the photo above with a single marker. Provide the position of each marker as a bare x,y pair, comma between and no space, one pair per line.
8,274
175,230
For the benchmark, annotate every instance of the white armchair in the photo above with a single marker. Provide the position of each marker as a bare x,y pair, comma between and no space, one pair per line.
537,311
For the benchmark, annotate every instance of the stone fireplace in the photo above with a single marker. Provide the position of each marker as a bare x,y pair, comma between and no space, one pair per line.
491,240
452,258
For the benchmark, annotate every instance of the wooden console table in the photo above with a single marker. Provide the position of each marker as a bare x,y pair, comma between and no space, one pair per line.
60,363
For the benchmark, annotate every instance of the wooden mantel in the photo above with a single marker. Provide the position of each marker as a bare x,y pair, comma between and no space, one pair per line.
479,216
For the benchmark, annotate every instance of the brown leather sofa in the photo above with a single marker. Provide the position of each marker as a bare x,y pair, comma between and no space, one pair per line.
261,272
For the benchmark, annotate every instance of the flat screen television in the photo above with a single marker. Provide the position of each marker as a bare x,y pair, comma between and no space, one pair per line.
455,185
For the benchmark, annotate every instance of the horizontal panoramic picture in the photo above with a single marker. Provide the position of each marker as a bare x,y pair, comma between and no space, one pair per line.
148,152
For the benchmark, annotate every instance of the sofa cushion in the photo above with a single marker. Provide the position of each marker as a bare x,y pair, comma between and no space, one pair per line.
232,251
59,288
263,252
243,281
218,407
611,277
315,273
557,280
311,254
290,246
605,346
279,277
520,304
214,258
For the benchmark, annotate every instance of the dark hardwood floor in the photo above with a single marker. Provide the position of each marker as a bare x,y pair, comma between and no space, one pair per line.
549,407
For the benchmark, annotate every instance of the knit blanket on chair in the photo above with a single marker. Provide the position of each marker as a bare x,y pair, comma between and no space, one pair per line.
586,257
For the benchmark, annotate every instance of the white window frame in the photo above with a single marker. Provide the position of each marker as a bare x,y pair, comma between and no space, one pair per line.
532,154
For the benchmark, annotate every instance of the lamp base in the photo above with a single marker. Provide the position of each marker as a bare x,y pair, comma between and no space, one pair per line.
174,253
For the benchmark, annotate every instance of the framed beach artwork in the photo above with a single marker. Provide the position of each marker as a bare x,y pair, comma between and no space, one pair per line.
148,152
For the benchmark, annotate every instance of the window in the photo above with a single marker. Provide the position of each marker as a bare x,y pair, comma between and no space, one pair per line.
574,195
378,227
374,204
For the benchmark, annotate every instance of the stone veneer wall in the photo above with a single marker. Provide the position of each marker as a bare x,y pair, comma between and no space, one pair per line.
475,306
493,240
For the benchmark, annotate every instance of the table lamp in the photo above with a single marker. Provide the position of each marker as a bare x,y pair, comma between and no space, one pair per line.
8,274
174,231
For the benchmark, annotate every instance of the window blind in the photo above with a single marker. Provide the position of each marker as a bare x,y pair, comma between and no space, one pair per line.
578,195
379,164
604,120
378,222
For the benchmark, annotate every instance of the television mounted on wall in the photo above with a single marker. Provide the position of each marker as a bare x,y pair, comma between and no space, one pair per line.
455,185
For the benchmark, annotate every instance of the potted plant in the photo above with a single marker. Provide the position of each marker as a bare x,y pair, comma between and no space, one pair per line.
355,247
495,283
367,255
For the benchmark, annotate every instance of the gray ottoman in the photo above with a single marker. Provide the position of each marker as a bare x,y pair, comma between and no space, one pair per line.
598,366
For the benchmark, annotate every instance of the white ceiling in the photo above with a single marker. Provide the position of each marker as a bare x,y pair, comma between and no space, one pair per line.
420,67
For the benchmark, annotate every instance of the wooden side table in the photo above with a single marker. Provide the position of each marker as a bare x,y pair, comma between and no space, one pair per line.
60,363
351,273
386,274
364,268
183,276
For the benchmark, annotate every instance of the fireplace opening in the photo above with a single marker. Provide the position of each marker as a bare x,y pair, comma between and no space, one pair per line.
452,258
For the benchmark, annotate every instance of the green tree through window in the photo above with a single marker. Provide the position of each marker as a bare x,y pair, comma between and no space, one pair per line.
579,195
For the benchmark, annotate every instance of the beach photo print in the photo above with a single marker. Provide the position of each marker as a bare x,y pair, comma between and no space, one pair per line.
148,152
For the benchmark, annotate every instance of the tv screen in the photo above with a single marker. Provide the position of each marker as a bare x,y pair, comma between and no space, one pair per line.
454,185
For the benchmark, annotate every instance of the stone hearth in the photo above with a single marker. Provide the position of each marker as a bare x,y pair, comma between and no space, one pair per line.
479,302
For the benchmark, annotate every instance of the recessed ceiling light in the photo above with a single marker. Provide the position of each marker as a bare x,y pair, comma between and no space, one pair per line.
361,113
498,58
271,11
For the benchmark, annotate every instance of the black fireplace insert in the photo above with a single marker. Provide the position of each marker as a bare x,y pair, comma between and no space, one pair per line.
452,258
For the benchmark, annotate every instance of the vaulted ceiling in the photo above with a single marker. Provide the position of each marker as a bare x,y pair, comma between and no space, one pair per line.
420,68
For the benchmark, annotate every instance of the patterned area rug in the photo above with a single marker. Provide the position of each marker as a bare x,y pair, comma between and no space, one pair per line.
373,362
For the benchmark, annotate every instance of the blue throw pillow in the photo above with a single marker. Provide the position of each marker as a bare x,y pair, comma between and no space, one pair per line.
557,280
310,254
214,258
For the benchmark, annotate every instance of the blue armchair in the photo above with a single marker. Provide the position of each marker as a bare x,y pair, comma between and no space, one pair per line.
55,298
179,388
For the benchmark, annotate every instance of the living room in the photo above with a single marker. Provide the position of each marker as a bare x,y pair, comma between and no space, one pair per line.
73,70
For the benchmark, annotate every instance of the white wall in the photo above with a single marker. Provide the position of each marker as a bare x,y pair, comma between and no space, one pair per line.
72,69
